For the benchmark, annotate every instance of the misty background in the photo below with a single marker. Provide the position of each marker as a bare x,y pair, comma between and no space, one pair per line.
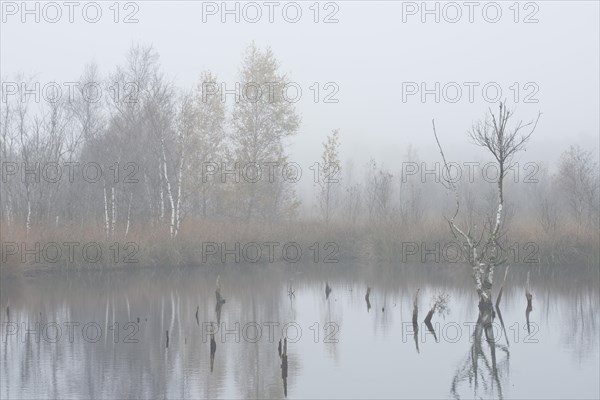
368,53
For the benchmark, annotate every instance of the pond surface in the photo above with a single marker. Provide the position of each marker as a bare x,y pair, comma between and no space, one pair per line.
104,334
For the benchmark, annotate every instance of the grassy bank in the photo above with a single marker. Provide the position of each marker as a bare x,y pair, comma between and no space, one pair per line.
209,242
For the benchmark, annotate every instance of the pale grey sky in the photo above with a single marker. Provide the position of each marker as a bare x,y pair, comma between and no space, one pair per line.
368,54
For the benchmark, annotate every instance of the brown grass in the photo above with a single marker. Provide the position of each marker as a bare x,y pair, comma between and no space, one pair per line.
384,240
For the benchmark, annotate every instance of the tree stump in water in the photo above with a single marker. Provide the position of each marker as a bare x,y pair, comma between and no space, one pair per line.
415,322
220,300
415,315
213,350
430,314
284,366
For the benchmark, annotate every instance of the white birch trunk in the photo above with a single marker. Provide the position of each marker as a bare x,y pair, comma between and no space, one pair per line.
162,197
179,190
113,210
106,221
169,192
128,215
28,223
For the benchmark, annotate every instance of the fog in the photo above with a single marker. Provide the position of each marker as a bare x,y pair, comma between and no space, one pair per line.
372,175
368,53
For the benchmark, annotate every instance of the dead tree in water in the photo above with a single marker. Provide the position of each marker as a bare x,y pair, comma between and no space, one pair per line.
367,298
529,296
327,290
415,315
220,300
213,350
502,144
439,304
502,287
498,312
478,366
284,366
415,318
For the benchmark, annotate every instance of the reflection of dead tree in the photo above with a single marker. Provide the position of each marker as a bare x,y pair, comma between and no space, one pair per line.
415,318
498,304
213,349
477,366
367,298
529,296
502,287
284,365
327,290
502,144
439,304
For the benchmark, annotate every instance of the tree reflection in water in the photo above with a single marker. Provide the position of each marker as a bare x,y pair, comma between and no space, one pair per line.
481,370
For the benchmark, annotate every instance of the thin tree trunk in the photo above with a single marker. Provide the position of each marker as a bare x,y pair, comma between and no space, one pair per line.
106,221
128,215
161,216
179,189
113,210
502,287
169,192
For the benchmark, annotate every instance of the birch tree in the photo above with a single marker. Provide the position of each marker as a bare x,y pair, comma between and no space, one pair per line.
262,120
160,114
502,144
329,172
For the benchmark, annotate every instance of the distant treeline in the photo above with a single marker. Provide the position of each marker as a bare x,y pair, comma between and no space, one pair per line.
155,171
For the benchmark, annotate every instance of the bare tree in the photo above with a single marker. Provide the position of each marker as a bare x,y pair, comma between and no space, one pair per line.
578,179
502,144
378,190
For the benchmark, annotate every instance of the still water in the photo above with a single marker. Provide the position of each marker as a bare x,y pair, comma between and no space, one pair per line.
104,334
